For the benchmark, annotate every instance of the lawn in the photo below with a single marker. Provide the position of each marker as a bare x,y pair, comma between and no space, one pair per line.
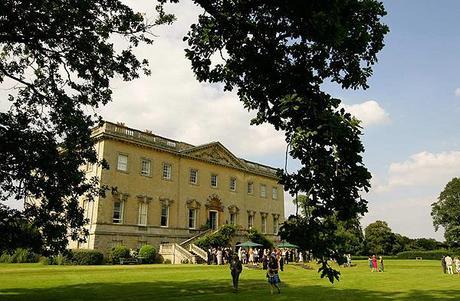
403,280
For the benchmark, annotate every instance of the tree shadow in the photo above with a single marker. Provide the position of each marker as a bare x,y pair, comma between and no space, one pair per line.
219,290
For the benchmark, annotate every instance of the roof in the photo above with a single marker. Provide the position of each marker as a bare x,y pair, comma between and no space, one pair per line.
213,152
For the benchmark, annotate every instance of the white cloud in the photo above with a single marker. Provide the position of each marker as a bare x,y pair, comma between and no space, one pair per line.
408,216
423,169
457,92
369,112
172,103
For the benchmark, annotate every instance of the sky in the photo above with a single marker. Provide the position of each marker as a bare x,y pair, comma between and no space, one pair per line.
409,113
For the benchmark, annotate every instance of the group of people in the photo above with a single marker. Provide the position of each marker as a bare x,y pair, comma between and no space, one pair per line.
272,262
219,255
376,265
447,264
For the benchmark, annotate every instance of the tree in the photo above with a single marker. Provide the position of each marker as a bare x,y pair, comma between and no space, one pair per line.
277,55
259,238
446,212
16,232
379,238
59,56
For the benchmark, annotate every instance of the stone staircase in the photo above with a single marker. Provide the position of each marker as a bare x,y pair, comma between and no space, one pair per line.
184,252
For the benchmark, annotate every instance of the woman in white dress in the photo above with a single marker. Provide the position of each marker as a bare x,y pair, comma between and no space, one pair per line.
300,257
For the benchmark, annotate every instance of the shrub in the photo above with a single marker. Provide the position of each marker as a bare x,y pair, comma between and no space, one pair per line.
220,238
5,258
86,257
148,253
61,260
24,256
167,261
159,259
259,238
47,260
435,254
118,252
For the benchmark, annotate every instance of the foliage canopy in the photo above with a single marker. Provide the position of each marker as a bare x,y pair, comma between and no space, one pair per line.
278,54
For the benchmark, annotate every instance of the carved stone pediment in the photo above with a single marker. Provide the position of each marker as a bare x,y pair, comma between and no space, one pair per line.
251,212
276,215
215,152
144,199
193,204
120,196
214,203
263,214
233,209
166,202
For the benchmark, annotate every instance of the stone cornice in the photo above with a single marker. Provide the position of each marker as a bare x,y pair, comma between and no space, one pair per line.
181,149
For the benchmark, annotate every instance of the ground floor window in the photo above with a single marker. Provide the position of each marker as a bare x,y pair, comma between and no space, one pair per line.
250,221
232,218
143,208
264,224
192,218
117,217
275,225
164,216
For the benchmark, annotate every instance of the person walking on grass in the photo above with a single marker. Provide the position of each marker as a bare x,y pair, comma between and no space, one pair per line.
374,264
235,269
272,274
369,259
449,264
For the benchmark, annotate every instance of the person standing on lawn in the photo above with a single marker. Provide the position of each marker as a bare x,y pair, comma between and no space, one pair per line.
374,264
443,264
235,270
449,264
382,268
272,274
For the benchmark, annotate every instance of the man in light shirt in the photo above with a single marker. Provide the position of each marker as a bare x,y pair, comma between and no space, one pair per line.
449,264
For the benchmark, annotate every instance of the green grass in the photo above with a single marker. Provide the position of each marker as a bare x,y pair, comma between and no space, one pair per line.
403,280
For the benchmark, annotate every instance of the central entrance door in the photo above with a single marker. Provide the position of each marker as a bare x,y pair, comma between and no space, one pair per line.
213,222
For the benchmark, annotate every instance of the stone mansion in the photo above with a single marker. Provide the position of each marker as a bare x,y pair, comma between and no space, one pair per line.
166,190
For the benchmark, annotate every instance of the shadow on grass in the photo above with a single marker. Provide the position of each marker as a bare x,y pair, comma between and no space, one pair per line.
215,290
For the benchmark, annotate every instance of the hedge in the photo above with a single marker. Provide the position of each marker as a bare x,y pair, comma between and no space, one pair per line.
435,254
86,257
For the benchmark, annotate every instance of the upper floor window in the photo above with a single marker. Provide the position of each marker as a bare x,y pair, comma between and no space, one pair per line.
145,167
193,176
117,216
250,187
122,162
274,193
233,184
213,180
167,168
263,190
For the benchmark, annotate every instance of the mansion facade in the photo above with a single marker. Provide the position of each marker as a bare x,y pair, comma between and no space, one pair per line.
169,191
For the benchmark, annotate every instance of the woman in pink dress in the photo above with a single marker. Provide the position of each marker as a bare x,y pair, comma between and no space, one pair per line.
374,264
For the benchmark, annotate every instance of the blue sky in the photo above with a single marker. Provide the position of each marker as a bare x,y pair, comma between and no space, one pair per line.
410,111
